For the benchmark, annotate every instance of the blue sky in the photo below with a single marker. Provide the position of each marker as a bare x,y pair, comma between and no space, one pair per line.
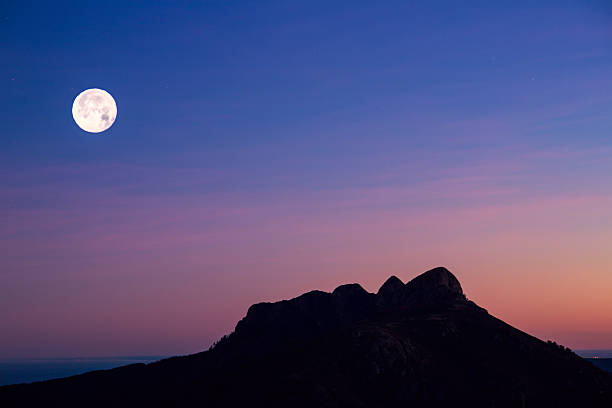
294,126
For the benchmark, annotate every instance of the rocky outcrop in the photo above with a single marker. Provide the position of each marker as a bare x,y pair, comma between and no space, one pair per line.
419,344
438,280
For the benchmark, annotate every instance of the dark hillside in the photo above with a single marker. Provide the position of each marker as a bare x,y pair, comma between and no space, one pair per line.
420,344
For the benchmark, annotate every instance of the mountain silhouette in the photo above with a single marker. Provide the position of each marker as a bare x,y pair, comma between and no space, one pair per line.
419,344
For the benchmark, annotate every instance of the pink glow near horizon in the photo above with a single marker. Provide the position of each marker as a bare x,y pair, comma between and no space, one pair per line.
330,145
126,274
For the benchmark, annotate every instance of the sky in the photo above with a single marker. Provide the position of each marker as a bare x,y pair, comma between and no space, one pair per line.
266,148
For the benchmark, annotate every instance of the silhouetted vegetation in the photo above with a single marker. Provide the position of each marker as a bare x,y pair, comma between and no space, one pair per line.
559,347
420,344
215,343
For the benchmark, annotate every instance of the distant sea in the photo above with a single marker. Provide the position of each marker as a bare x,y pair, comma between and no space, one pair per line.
601,358
15,371
594,353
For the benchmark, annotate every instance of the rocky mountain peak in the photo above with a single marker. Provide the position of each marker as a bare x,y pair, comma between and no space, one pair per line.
419,344
349,290
391,286
437,279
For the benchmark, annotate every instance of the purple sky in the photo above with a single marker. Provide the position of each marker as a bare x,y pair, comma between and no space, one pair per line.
261,151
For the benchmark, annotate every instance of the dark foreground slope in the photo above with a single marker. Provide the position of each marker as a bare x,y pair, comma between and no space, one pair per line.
420,344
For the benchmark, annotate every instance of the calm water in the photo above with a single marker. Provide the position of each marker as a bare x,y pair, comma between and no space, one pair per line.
594,353
16,371
601,358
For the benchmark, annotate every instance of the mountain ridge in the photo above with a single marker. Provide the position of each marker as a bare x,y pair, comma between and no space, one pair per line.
422,343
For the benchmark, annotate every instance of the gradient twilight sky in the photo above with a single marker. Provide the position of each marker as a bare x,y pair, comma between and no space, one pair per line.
267,148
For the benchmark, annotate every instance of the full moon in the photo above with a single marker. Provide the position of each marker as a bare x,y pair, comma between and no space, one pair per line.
94,110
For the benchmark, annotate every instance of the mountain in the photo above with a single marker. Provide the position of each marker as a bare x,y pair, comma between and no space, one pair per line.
419,344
